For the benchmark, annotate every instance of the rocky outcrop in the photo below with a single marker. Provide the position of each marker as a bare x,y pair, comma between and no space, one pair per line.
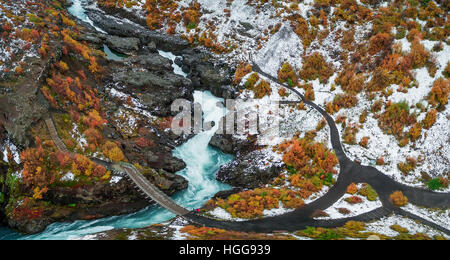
158,156
207,73
156,91
126,28
230,144
249,171
125,45
24,103
152,61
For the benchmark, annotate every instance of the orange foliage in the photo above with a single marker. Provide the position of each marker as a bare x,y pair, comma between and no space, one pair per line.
252,203
418,55
315,67
408,166
350,82
307,157
398,199
287,75
380,42
242,70
438,96
415,132
113,152
395,118
430,119
352,189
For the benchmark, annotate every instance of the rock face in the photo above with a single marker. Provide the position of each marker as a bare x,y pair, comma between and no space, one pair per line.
153,61
125,28
157,91
24,103
230,144
156,157
247,171
126,45
207,73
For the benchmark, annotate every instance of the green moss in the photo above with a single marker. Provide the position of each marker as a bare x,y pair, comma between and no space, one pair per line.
434,184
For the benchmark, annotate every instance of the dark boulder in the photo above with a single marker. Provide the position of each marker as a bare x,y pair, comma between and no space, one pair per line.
125,45
207,73
249,171
153,61
157,91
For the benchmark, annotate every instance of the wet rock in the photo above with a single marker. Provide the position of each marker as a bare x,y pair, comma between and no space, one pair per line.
227,193
207,73
157,91
229,143
159,156
125,28
126,45
96,38
248,171
152,47
153,61
68,3
30,226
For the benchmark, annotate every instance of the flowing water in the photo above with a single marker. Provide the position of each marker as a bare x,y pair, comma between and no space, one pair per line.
202,162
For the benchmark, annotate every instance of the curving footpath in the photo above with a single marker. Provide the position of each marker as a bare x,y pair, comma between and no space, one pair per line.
350,172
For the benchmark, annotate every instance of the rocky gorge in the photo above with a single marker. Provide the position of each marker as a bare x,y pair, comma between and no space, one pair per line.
143,75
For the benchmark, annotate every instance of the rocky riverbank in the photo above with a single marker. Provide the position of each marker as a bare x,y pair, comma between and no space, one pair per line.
145,84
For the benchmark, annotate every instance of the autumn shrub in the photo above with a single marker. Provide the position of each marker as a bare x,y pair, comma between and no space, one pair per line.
191,16
380,42
415,132
399,229
262,89
408,166
352,189
307,157
398,199
207,233
363,116
350,82
344,211
438,96
381,79
368,192
377,106
350,132
446,72
242,70
395,118
287,75
418,55
252,203
113,152
430,119
252,80
315,67
354,200
341,101
39,170
93,136
364,141
303,30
